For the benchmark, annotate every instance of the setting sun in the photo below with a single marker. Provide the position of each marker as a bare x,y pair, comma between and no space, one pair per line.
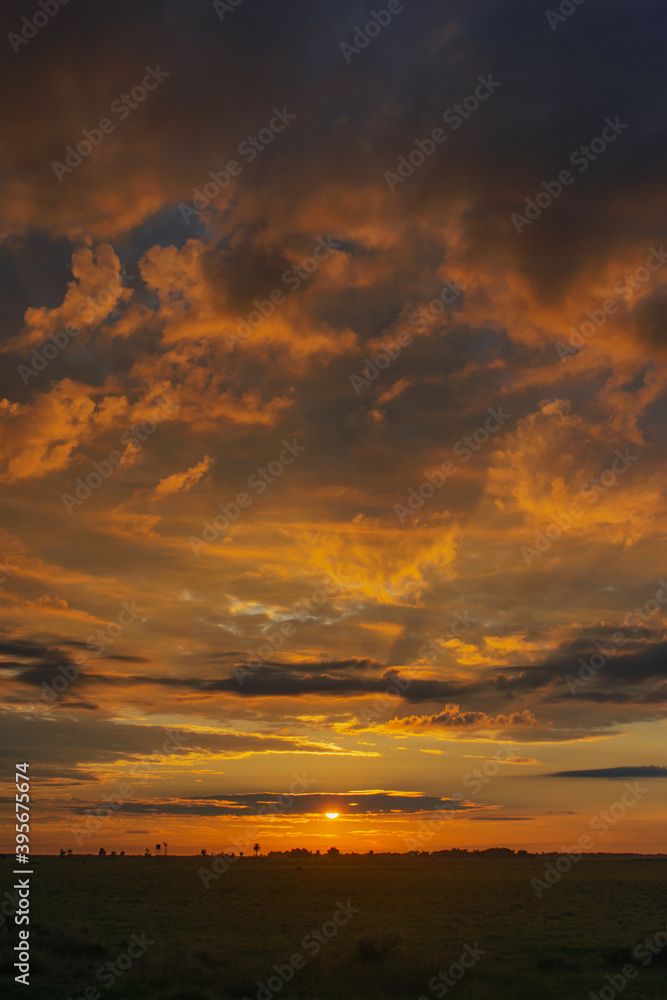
332,815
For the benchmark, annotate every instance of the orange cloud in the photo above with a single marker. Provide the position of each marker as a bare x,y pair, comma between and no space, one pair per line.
453,718
96,290
180,482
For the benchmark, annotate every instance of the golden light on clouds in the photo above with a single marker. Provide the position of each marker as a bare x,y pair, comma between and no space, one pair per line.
407,592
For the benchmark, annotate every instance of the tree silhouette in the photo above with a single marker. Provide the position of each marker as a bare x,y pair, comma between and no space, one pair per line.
333,851
113,854
147,852
101,853
69,852
256,849
122,854
203,852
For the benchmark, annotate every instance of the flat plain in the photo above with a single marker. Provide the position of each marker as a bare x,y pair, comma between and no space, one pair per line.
402,920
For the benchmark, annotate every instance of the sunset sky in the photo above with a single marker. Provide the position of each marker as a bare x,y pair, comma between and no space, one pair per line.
285,278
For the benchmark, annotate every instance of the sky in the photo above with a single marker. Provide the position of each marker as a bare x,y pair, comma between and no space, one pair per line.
332,410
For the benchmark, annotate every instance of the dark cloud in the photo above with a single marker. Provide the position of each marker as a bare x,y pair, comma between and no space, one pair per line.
321,666
276,679
285,681
501,819
125,659
617,773
393,91
275,803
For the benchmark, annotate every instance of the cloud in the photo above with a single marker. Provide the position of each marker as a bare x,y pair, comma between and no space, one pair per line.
96,291
257,804
556,458
180,482
615,773
453,718
160,301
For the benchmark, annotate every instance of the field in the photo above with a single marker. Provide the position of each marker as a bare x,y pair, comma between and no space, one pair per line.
402,921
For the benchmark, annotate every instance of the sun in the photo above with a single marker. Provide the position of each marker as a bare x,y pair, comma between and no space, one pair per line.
332,815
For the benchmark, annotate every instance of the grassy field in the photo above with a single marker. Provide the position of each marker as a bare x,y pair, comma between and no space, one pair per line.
415,917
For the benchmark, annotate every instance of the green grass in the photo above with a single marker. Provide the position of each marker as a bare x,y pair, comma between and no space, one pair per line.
415,916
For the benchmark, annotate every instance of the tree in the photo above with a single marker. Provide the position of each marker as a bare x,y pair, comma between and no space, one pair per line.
113,854
101,853
62,852
256,849
203,852
122,854
69,852
147,852
333,852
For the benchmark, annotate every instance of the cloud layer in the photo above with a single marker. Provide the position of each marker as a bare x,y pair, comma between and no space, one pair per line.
331,414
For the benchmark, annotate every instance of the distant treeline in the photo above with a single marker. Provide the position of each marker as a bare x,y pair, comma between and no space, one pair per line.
302,852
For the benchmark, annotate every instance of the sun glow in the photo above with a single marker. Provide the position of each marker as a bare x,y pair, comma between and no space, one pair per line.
332,815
